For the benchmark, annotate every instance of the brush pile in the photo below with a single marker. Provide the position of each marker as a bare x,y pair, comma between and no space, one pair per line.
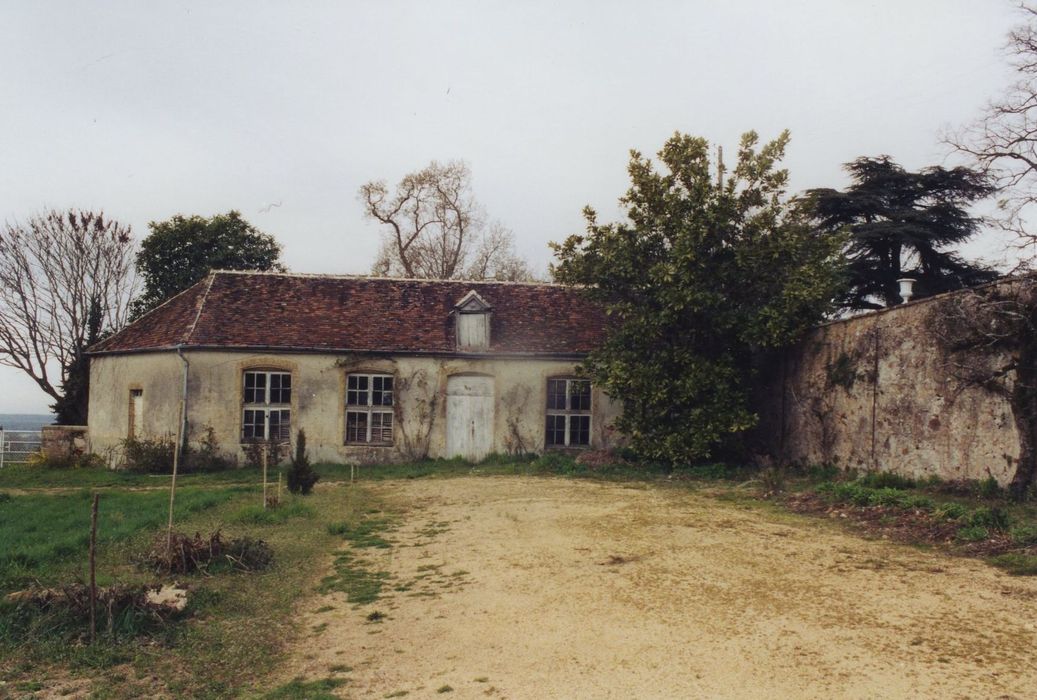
122,610
180,553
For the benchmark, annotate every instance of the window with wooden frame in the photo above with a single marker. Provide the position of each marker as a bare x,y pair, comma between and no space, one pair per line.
568,413
369,409
267,398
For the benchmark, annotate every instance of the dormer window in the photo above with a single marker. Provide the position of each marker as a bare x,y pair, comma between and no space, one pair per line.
472,315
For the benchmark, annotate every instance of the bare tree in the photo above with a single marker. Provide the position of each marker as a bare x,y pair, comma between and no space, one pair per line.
435,229
1002,143
64,277
990,336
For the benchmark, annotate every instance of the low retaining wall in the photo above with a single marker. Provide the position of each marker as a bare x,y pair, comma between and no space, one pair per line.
877,392
62,441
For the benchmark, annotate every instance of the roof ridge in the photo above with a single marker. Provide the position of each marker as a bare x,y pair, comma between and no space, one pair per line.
377,278
186,338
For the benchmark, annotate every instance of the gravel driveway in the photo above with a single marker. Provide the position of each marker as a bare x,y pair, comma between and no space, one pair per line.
553,588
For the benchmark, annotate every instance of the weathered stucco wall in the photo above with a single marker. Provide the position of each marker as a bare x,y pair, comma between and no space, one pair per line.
877,392
318,400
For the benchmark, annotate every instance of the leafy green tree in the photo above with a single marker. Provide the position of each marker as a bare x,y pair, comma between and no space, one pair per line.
182,250
706,274
901,225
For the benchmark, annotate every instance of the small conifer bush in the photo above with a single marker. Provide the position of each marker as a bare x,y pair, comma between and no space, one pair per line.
301,476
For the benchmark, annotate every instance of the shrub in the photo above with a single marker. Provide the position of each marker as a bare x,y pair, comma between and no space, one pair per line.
555,463
155,455
973,533
989,488
773,479
823,472
952,511
1024,535
207,457
255,449
149,455
301,476
992,518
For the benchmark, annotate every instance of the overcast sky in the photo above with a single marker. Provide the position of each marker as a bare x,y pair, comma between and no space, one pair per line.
151,109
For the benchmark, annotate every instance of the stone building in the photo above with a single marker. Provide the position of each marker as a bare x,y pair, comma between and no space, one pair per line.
374,370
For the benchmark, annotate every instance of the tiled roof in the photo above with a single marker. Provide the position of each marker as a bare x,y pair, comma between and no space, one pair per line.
273,311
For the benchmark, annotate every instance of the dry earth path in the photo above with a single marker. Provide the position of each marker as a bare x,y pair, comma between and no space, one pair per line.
550,588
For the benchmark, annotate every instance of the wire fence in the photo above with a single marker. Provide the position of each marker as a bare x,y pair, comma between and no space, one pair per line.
17,445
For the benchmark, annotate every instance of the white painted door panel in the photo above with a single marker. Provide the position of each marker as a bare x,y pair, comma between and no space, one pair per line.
469,417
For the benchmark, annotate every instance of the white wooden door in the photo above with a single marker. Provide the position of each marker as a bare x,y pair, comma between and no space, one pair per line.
469,417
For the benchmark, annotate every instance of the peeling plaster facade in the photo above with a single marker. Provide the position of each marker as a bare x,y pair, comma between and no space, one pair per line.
876,392
215,399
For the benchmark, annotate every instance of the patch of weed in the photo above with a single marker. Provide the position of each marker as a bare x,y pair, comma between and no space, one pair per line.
361,585
886,480
363,533
951,511
1017,564
299,689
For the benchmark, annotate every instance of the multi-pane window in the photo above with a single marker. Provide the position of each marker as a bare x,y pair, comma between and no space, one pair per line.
267,411
568,412
369,408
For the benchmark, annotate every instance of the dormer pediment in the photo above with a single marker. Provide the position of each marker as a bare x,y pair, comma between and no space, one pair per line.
472,303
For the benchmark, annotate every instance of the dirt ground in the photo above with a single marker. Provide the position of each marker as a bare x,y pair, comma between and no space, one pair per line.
541,588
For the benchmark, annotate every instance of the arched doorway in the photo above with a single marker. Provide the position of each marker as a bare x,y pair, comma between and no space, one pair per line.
469,416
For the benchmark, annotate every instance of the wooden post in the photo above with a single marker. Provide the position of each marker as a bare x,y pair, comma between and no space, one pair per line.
93,568
172,484
278,486
264,475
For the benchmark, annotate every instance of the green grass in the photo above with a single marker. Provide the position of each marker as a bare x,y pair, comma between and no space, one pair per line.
25,477
238,624
41,532
255,514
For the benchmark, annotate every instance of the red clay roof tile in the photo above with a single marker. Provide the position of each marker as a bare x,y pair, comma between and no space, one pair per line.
284,311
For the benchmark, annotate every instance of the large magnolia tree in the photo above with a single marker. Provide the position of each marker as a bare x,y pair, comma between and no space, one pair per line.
710,269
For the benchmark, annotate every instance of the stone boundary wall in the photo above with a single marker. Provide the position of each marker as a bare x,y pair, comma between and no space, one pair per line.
877,392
